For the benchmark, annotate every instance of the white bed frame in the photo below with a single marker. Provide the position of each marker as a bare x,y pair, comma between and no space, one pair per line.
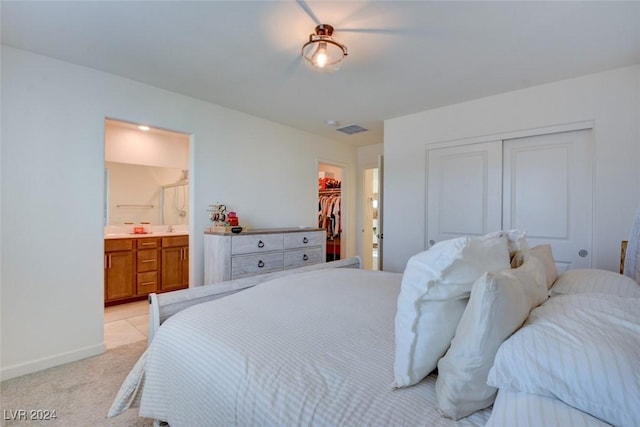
162,306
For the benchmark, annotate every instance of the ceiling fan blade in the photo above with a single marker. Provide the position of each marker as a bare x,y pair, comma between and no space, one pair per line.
308,11
405,31
293,66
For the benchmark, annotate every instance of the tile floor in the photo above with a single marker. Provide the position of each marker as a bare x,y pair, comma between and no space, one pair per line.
126,323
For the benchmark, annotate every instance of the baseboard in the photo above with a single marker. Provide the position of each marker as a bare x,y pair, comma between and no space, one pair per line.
32,366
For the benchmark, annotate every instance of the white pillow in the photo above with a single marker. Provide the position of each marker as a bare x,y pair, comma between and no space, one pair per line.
544,253
582,349
435,286
513,408
593,280
498,305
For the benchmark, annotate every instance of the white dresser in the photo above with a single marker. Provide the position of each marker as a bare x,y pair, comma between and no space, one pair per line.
230,256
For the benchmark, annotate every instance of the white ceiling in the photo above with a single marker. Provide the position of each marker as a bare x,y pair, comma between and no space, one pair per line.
404,57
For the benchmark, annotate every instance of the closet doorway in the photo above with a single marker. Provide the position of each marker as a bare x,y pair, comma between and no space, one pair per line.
330,208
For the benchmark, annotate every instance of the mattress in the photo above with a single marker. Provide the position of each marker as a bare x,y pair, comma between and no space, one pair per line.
314,348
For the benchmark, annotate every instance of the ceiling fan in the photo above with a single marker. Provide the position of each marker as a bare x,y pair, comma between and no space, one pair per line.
322,51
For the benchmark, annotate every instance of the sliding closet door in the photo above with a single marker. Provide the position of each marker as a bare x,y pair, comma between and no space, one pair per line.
548,192
464,190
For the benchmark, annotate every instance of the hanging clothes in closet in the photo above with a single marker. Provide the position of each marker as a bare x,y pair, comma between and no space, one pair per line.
329,219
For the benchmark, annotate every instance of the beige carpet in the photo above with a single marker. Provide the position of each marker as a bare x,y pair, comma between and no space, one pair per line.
81,392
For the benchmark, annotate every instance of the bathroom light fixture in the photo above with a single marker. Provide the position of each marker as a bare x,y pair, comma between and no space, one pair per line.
143,127
322,51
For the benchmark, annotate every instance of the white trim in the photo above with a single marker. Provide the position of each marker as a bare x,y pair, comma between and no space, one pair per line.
565,127
49,362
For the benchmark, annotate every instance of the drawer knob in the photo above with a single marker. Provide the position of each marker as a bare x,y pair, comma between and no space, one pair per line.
261,244
305,240
260,264
305,257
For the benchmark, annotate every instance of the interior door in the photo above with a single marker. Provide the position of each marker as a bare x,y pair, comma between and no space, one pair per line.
548,192
464,190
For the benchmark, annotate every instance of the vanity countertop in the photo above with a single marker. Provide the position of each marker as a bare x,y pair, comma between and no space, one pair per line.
143,235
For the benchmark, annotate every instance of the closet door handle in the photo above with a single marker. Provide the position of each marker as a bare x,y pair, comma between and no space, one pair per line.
260,264
305,240
261,244
305,257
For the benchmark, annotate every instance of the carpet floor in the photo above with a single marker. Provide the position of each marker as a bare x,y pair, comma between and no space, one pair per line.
80,393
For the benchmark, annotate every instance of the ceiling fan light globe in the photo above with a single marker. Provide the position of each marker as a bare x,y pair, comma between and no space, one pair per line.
322,52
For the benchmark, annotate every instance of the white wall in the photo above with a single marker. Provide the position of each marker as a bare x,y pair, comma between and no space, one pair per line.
52,167
610,99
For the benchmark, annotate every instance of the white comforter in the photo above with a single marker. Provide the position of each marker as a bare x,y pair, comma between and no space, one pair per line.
310,349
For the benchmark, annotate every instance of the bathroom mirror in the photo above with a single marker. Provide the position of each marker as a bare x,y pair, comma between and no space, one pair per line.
145,194
146,175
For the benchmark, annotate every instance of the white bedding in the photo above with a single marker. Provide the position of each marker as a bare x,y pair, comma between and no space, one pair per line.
310,349
583,349
517,409
317,348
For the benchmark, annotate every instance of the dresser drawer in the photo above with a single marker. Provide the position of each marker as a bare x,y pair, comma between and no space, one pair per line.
249,265
147,260
255,243
147,282
303,239
302,257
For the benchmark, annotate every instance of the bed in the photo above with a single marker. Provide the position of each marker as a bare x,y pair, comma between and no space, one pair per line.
319,347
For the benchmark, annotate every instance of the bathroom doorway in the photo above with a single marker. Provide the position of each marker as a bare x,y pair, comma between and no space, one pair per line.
146,211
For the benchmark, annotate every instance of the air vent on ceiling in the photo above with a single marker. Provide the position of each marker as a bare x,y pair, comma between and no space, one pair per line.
351,129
